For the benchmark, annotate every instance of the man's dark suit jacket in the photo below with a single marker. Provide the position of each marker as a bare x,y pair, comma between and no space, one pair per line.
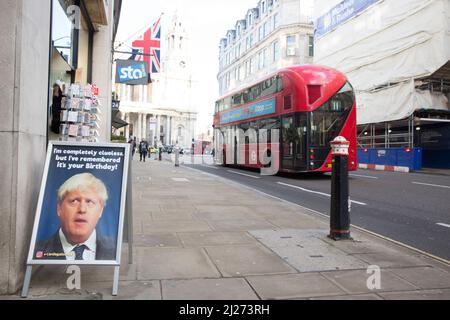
106,248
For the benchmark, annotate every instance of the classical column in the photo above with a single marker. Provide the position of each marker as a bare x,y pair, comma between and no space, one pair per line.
168,130
139,127
158,132
144,126
128,91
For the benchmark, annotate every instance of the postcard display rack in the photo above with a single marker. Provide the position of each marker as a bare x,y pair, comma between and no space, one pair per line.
80,114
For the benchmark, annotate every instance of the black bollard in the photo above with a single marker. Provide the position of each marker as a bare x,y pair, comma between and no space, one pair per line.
177,157
160,153
339,212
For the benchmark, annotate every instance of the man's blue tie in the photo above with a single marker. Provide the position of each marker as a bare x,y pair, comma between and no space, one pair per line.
79,251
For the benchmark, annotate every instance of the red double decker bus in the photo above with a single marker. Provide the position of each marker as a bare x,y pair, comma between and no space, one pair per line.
309,105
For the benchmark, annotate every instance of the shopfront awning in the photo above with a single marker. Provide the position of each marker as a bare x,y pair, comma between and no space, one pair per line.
116,122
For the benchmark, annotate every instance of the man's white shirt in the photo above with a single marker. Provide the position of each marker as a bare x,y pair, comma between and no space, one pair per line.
88,253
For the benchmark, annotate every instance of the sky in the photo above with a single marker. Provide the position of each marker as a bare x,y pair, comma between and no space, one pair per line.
206,22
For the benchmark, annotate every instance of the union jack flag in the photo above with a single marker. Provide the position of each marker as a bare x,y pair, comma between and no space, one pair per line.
150,43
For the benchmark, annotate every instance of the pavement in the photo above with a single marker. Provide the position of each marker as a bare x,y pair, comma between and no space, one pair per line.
202,237
440,172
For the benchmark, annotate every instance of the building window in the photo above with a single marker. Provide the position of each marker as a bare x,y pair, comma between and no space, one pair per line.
276,51
62,36
250,19
311,46
260,33
260,60
290,40
252,64
276,20
290,45
238,29
265,57
266,29
263,7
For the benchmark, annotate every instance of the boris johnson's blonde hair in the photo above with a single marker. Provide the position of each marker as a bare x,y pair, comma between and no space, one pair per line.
83,182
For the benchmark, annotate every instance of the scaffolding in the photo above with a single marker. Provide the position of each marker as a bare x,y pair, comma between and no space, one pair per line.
394,134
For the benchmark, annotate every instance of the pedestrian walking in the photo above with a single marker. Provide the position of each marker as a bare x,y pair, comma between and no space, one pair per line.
132,142
143,150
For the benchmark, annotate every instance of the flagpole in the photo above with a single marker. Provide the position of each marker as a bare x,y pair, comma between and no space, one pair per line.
135,53
137,32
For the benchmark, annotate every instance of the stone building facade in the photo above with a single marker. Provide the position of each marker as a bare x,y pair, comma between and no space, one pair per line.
273,35
27,72
163,112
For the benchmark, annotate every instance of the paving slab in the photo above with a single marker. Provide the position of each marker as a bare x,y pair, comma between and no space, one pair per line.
271,210
355,281
229,209
173,215
306,251
240,225
202,239
236,261
296,222
289,237
318,258
291,286
369,296
106,273
225,213
175,226
208,289
174,263
128,290
156,240
392,258
359,245
177,205
66,294
424,277
418,295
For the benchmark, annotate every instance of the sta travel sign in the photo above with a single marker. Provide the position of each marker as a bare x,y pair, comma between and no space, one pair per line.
132,72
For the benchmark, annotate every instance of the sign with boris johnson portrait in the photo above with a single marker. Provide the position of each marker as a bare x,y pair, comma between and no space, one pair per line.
80,211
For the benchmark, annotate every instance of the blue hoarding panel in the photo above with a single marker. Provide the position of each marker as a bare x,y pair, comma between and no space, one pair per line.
363,157
403,157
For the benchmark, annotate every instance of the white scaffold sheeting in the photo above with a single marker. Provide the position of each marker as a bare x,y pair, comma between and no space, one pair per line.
396,102
392,41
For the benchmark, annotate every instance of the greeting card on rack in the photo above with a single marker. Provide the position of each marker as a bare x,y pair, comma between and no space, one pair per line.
73,116
87,104
64,115
85,131
73,130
